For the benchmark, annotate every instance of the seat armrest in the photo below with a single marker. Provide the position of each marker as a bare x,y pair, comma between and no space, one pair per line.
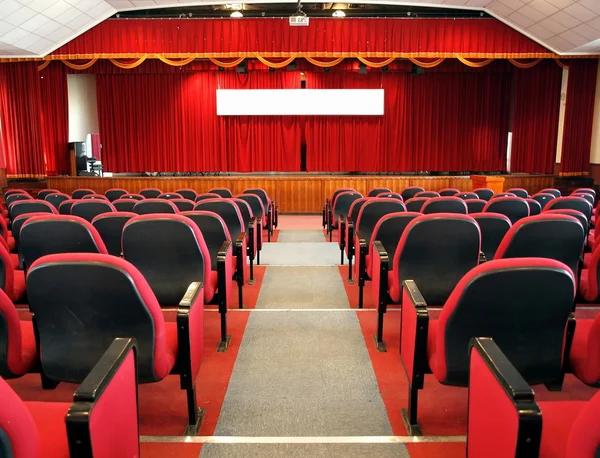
103,420
259,234
341,232
350,238
224,275
251,233
240,257
361,256
380,276
503,415
190,333
414,329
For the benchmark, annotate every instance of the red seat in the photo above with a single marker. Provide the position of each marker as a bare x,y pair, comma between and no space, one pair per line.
30,206
376,191
90,208
42,194
223,192
449,192
80,193
483,193
170,196
519,192
150,206
13,282
150,193
115,193
573,203
17,347
56,199
585,352
189,194
515,208
410,192
94,197
446,204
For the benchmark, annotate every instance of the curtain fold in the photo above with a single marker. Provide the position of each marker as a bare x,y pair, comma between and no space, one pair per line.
535,122
579,117
55,118
20,108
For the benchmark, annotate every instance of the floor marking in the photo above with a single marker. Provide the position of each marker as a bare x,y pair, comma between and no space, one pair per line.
303,440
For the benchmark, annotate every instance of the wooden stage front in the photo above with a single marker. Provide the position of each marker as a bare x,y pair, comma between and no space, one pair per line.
292,193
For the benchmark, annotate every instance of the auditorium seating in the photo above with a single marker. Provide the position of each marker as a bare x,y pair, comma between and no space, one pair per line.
589,191
475,205
427,194
349,236
52,234
494,227
80,193
124,205
270,208
132,196
12,280
223,192
17,223
553,191
390,195
45,192
410,192
18,350
524,304
170,196
94,197
57,198
505,420
189,194
416,204
589,197
534,207
446,204
327,207
253,236
572,203
56,285
467,195
258,210
7,235
513,207
483,193
504,194
152,206
110,227
89,209
519,192
183,205
10,192
11,199
543,198
368,216
584,357
449,192
208,195
435,251
338,216
101,422
115,194
30,206
574,213
376,191
150,193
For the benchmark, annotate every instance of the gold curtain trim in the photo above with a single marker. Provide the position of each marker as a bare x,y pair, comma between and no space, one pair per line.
233,63
44,65
435,63
177,63
376,64
331,63
281,64
468,63
526,65
27,175
80,66
130,65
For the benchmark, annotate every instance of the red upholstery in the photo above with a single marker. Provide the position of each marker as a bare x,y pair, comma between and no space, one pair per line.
585,351
264,211
49,419
164,356
558,419
584,437
589,277
14,280
145,202
394,287
18,425
24,203
21,352
11,243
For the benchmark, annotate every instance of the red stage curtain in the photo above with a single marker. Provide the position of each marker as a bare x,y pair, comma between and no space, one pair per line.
55,118
160,122
579,116
20,108
275,36
261,143
536,113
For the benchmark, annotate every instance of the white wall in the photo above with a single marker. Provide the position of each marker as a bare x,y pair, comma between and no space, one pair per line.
561,116
83,109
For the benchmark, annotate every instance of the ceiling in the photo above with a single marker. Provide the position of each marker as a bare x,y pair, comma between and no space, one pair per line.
34,28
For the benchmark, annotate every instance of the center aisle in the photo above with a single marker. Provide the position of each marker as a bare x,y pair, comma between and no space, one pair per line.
303,370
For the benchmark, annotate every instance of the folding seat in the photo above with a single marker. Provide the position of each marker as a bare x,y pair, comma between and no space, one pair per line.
270,208
7,235
16,198
389,195
505,420
187,194
101,422
552,236
435,251
446,204
329,203
484,193
115,194
183,205
467,195
589,191
523,304
543,198
64,208
152,206
209,195
150,193
410,192
94,197
13,256
30,206
513,207
79,193
475,205
494,227
416,204
589,197
427,194
10,192
519,192
44,192
349,229
449,192
369,215
253,236
52,234
259,213
504,194
231,215
18,351
89,209
555,192
132,196
223,192
534,207
339,213
576,214
376,191
110,227
124,205
12,281
18,223
573,203
56,199
584,358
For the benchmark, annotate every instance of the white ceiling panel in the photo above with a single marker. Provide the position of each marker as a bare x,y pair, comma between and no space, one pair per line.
564,26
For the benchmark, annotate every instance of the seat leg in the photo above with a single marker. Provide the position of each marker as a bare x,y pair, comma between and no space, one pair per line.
268,235
350,281
342,256
258,257
225,338
331,235
251,281
409,416
361,290
378,338
195,414
47,384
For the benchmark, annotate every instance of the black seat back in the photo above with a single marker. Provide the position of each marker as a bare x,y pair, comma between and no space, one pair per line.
389,230
170,196
416,204
183,205
355,208
390,195
262,194
534,207
245,210
475,205
553,191
89,209
150,193
519,192
484,193
543,198
258,209
11,199
30,206
444,205
214,230
45,192
208,195
449,192
376,191
372,211
342,204
132,196
115,194
227,210
410,192
80,193
153,206
494,227
573,203
125,205
504,194
64,208
56,199
513,207
110,227
223,192
467,195
189,194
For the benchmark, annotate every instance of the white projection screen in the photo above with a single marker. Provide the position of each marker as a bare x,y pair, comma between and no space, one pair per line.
293,102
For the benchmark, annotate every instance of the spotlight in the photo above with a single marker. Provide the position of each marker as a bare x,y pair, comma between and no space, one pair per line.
292,66
339,14
362,69
237,15
242,68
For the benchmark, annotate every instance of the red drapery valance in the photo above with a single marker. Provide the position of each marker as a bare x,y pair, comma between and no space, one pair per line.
324,37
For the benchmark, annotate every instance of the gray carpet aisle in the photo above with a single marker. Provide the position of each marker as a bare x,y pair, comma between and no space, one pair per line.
303,372
301,248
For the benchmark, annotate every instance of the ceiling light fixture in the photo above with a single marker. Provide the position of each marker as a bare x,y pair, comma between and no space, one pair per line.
234,6
338,13
237,15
